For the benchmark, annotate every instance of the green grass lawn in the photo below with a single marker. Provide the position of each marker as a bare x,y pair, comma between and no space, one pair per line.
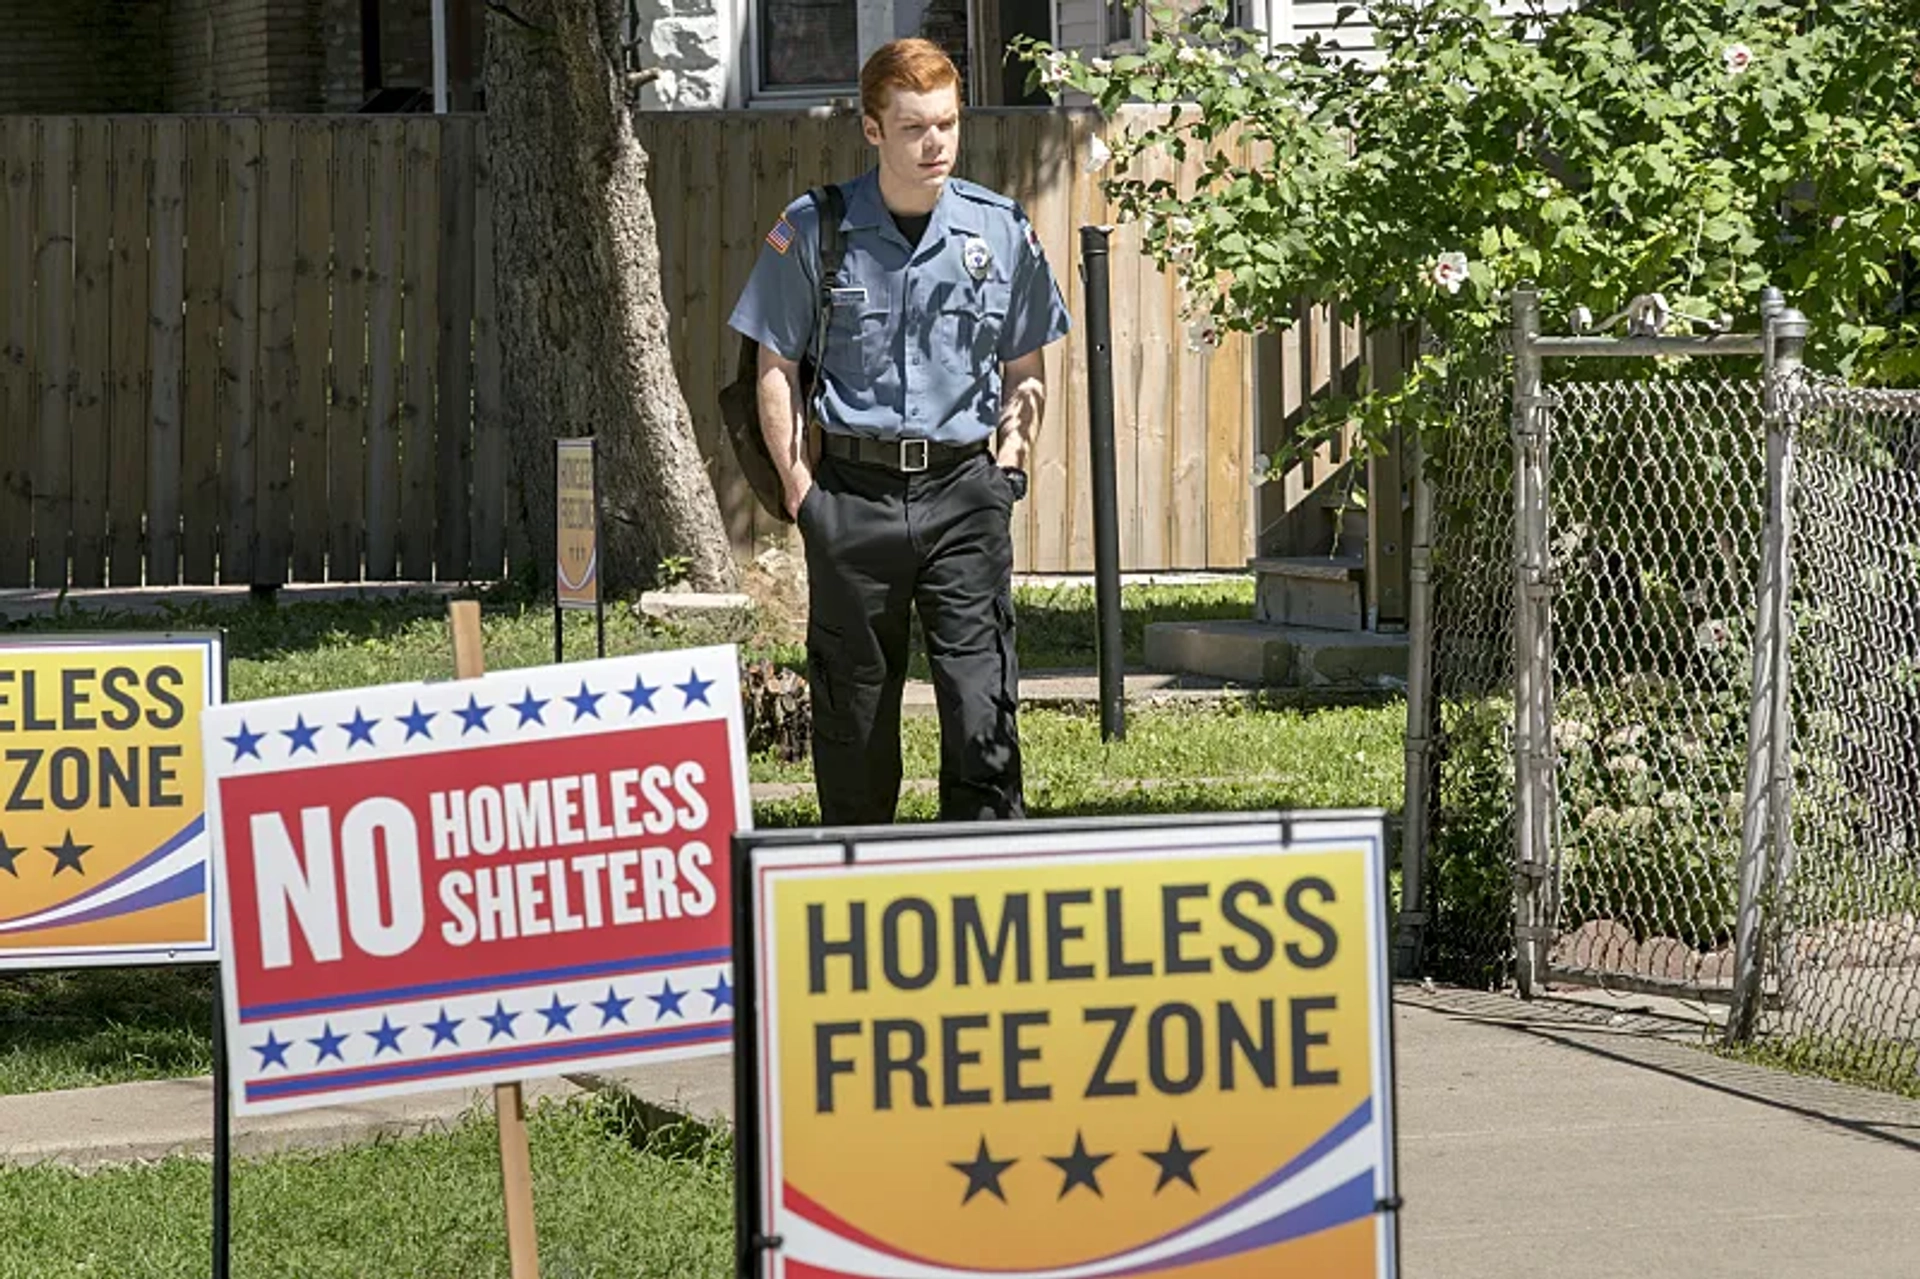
610,1201
77,1028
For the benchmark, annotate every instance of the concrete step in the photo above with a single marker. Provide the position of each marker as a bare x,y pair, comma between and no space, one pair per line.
1321,591
1280,656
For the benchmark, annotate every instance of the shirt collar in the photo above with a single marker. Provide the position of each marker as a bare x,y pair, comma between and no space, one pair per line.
866,210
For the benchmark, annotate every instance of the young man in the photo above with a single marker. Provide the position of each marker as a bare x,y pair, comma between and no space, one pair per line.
931,387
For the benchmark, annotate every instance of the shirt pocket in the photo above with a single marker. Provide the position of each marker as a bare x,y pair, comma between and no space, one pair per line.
968,332
860,337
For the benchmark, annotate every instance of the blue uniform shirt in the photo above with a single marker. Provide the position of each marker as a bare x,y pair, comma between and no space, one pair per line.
917,336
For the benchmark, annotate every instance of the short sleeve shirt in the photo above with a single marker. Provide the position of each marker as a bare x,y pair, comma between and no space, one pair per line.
917,334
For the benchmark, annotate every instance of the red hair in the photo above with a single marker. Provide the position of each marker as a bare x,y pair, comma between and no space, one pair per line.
914,64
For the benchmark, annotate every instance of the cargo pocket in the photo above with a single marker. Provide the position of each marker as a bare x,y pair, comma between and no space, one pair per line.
828,688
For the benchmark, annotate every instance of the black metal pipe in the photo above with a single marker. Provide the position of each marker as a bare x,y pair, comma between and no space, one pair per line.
222,1136
1106,523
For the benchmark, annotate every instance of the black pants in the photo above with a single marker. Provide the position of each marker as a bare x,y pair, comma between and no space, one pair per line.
939,541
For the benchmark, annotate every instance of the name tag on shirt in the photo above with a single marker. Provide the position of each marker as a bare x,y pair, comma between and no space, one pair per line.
849,297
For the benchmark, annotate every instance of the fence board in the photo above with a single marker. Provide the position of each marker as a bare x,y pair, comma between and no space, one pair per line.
165,336
489,428
420,325
53,266
90,452
129,384
1190,461
307,408
17,221
239,357
453,550
1156,496
347,398
279,370
387,159
202,491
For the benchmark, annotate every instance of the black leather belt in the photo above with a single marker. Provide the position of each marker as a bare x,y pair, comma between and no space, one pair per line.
904,456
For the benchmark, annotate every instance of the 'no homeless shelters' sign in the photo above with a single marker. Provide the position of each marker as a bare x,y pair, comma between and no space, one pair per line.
451,884
103,843
1067,1051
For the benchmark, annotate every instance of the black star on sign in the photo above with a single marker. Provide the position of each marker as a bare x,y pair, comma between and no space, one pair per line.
7,855
1176,1162
1079,1166
984,1173
66,854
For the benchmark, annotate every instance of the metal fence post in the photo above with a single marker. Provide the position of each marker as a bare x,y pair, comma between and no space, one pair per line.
1764,830
1100,446
1529,721
1755,813
1410,925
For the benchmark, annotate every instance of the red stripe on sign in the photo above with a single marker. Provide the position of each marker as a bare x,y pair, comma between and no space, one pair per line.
486,862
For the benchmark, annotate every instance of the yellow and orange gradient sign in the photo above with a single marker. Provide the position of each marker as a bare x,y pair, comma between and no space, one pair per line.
103,841
1076,1055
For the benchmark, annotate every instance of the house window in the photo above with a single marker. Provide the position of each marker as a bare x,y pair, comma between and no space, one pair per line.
807,44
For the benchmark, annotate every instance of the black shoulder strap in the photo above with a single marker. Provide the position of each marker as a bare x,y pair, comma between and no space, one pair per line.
831,202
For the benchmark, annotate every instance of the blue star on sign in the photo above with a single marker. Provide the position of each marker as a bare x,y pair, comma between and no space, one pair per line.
501,1020
474,715
530,709
359,728
245,743
273,1052
328,1044
585,703
557,1013
446,1030
386,1036
667,1000
611,1008
721,994
301,735
417,722
640,695
695,689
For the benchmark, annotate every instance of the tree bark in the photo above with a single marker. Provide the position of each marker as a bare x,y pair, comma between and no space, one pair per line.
584,346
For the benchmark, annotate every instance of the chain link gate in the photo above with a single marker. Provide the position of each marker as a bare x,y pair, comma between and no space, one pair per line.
1601,615
1664,683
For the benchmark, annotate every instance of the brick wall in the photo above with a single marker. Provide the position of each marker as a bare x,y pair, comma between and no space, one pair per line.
76,56
59,56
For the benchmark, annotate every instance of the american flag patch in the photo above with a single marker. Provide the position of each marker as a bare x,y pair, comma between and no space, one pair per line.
781,237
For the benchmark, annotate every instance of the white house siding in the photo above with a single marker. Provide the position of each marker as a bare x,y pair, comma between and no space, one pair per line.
1079,24
691,41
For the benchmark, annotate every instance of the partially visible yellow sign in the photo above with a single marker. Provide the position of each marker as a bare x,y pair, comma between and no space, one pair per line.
1141,1053
576,519
103,840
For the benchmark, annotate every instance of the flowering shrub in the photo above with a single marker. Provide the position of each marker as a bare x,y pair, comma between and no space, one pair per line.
1698,150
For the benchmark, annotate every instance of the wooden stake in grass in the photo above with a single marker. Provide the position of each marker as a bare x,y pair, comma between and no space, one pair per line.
509,1108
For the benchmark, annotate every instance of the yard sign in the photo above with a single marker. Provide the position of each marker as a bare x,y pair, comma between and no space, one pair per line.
453,884
103,841
1067,1051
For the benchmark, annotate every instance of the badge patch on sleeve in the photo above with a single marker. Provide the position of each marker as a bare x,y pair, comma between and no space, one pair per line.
781,237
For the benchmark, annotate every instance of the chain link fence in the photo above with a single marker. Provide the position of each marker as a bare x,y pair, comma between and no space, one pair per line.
1463,754
1656,496
1663,784
1846,880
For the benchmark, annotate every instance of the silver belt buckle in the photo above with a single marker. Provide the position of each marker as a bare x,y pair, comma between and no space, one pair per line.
906,451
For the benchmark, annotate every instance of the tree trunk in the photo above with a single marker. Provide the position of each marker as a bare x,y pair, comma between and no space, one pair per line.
583,331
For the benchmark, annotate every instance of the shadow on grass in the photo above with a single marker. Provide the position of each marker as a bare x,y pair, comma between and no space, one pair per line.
1057,625
73,1028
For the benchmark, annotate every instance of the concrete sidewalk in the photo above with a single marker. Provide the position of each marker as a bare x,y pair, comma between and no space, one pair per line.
1555,1139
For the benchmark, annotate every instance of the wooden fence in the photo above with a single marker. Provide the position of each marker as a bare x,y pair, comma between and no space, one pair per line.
242,348
246,348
